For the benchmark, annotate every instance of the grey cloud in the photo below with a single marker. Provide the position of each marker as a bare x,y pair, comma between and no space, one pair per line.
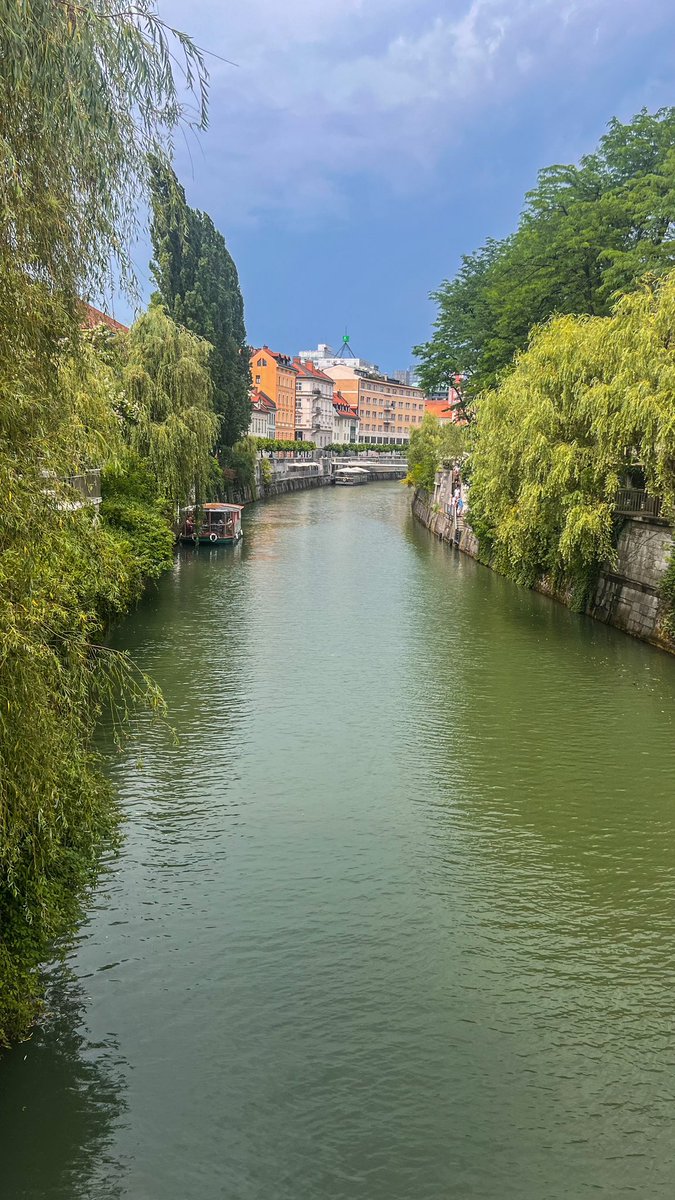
337,88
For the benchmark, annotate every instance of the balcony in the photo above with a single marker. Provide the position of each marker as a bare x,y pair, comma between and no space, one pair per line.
634,502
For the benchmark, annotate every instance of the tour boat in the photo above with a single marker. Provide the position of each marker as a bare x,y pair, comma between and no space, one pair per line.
220,525
348,476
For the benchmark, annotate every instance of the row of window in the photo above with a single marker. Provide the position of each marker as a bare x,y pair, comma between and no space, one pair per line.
388,423
367,412
379,400
393,441
393,391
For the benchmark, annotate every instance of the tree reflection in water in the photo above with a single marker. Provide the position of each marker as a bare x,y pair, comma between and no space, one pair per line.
60,1098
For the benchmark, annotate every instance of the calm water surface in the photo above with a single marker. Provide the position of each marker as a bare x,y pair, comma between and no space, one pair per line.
396,920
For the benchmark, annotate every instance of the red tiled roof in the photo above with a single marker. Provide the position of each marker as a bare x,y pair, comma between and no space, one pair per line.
343,407
283,359
306,369
262,402
439,408
92,317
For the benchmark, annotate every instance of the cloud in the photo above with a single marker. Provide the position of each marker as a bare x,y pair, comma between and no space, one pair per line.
327,92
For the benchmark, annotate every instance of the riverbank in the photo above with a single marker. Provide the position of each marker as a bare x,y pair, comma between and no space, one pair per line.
627,594
286,477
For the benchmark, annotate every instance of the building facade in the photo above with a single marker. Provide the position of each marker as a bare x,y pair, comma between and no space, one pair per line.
263,415
388,410
345,421
273,373
446,409
313,404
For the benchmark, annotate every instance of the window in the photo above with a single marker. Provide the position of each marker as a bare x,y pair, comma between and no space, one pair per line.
262,362
400,404
257,379
408,404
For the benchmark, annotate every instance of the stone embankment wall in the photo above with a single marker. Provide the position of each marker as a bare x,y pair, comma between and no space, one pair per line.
627,594
278,487
286,477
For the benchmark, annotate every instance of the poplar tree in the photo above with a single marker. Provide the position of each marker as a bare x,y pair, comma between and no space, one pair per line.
199,286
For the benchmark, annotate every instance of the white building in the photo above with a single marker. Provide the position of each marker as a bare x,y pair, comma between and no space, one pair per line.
324,356
263,415
345,421
313,404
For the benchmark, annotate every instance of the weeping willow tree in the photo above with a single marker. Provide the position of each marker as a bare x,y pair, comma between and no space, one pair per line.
589,401
86,91
168,383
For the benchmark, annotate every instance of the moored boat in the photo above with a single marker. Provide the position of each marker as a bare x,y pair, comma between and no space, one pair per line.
212,525
349,476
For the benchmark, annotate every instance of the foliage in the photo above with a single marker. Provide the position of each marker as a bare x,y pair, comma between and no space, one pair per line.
240,460
588,401
587,233
86,91
280,445
166,377
132,506
199,285
266,473
433,445
667,590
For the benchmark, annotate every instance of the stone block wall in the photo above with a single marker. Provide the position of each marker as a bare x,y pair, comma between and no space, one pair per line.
627,594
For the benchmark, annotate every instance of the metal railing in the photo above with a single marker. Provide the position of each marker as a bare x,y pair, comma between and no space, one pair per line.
88,483
630,502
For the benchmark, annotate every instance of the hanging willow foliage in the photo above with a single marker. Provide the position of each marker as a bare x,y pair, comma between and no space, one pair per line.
87,90
168,382
591,399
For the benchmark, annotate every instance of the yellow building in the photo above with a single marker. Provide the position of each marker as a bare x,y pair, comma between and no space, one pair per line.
273,373
388,410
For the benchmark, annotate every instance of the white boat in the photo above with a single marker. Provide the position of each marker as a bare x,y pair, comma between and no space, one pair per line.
349,476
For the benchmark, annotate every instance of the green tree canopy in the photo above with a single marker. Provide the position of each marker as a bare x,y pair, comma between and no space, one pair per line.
199,285
587,233
590,399
433,445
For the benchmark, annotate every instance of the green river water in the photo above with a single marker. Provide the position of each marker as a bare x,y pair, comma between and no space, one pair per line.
396,919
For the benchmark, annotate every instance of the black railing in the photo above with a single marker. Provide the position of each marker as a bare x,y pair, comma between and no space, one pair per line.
635,502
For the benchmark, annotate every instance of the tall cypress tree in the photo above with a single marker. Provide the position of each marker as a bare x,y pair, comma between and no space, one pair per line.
199,286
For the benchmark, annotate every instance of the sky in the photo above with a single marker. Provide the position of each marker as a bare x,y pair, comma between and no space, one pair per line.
359,147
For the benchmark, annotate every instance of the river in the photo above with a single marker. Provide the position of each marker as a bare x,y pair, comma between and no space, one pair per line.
396,918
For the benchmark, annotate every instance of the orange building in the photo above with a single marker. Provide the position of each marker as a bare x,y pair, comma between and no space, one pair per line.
388,410
448,410
273,373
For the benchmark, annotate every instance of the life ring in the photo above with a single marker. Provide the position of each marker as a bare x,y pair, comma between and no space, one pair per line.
213,537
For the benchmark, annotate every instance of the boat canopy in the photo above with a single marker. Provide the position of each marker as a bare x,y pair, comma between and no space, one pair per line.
217,507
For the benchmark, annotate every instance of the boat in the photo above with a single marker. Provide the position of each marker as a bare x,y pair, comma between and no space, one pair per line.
220,525
349,476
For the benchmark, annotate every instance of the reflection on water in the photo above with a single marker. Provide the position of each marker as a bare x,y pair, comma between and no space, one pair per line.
60,1098
396,919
